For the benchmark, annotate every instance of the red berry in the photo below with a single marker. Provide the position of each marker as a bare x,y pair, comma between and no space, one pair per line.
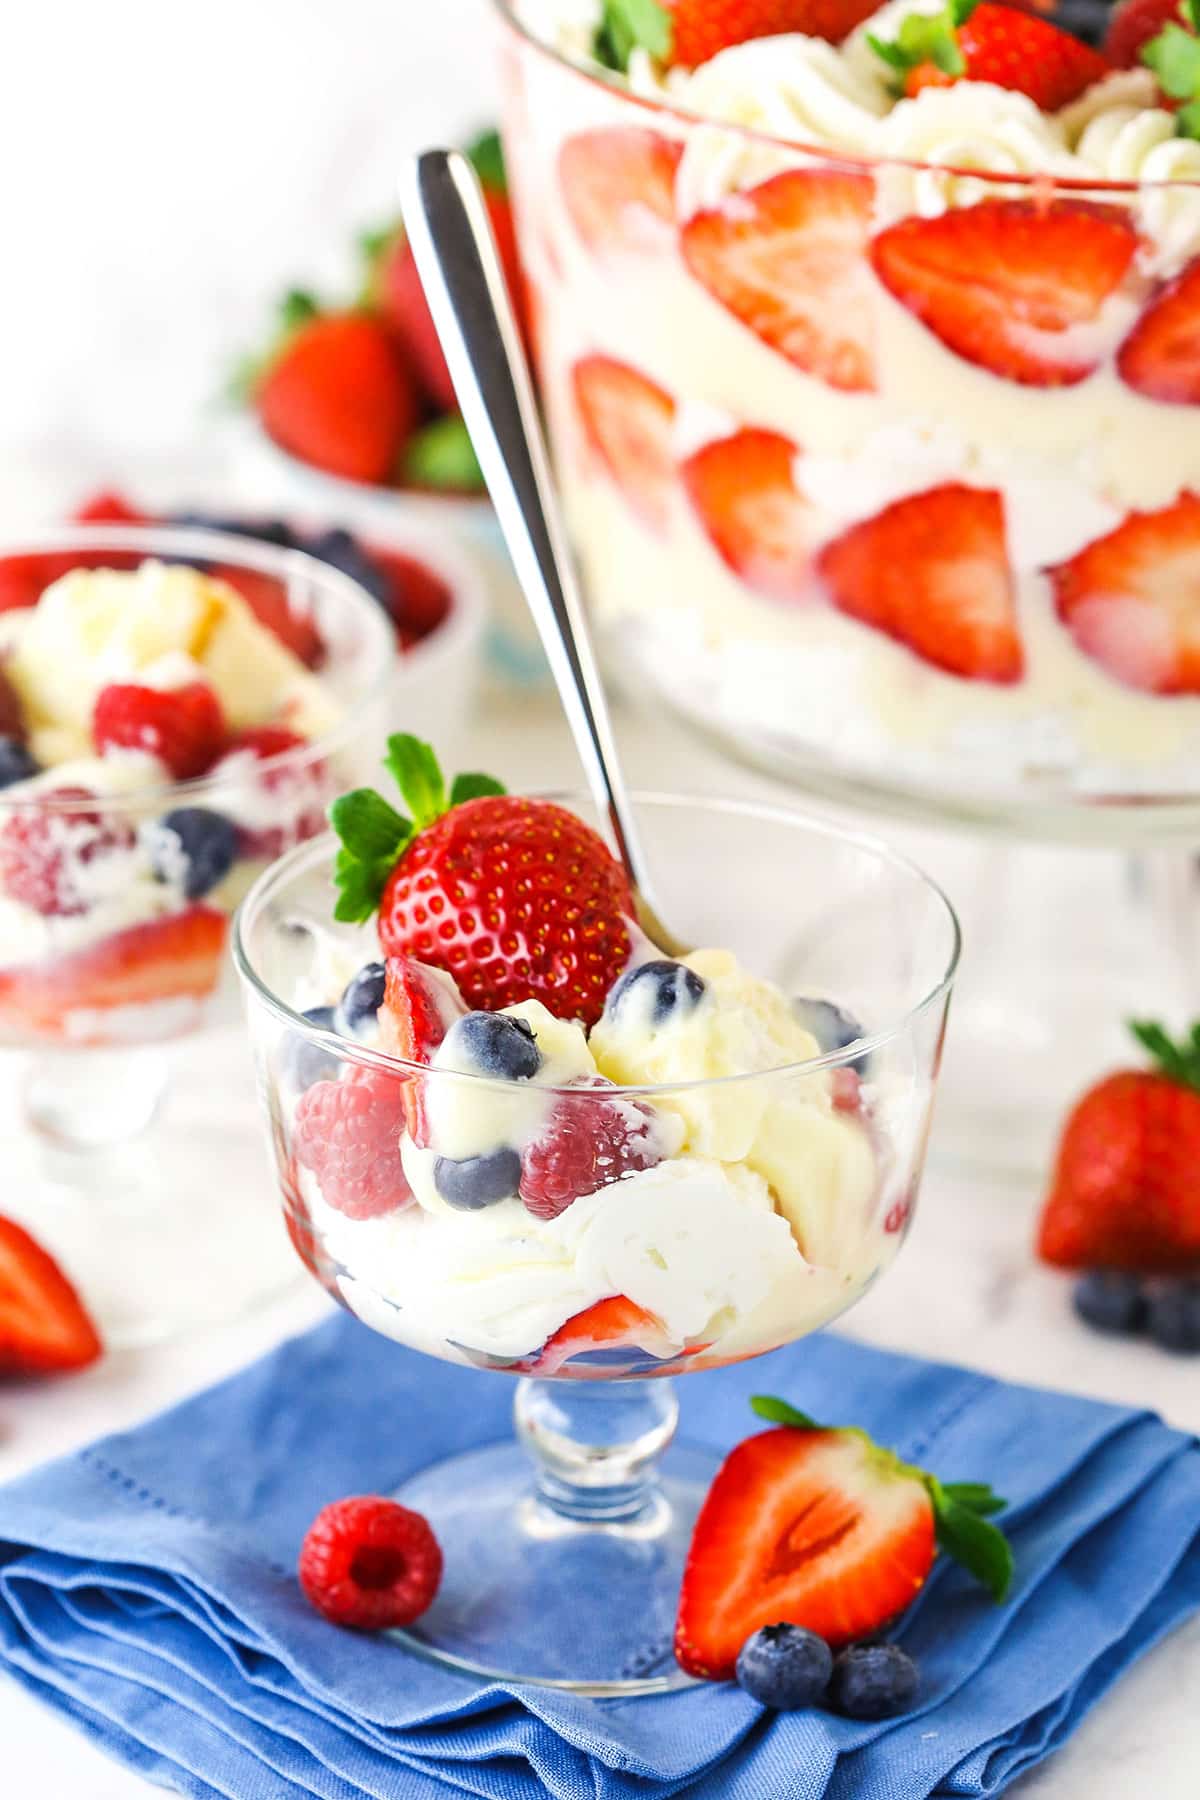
348,1134
183,727
1131,26
619,188
370,1563
517,899
338,395
41,847
44,1328
109,507
628,421
419,1006
300,791
703,28
587,1144
12,714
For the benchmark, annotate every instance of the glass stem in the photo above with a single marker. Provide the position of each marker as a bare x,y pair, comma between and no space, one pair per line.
595,1445
87,1099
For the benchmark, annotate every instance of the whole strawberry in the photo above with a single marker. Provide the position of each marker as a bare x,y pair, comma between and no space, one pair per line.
517,899
336,393
684,33
997,44
824,1529
1125,1193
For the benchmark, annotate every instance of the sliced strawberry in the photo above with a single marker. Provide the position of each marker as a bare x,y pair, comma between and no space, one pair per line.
24,579
932,571
44,1328
619,188
788,258
815,1528
1002,45
418,600
587,1144
109,507
177,957
744,490
267,598
1131,600
606,1334
700,29
628,421
419,1006
1161,356
1131,26
1018,287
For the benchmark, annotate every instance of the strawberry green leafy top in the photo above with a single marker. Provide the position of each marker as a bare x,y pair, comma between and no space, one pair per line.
961,1523
628,25
374,834
1174,56
1178,1062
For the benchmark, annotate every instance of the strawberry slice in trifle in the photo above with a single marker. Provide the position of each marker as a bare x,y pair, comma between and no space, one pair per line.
517,1135
858,326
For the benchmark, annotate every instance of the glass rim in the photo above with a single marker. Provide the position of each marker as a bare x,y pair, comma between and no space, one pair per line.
204,545
1041,184
766,812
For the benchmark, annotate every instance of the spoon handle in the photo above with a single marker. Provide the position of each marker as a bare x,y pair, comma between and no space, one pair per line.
456,258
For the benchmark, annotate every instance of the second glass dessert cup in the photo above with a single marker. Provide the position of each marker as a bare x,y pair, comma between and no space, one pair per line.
775,1201
125,1120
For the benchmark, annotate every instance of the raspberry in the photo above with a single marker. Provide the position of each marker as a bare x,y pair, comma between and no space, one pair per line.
370,1563
587,1145
183,727
41,848
348,1134
300,792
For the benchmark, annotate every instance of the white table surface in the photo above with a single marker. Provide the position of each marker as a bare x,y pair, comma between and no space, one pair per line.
966,1288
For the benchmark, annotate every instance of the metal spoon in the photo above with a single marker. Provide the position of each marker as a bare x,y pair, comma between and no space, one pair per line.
456,257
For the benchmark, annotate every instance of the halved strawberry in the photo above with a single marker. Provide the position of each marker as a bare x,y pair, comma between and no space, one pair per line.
420,1004
932,571
619,188
1161,356
788,258
174,958
744,490
267,598
418,598
1019,287
608,1334
1131,600
628,421
1002,45
822,1528
44,1328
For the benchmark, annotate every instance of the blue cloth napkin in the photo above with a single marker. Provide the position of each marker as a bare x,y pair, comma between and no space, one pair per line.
147,1590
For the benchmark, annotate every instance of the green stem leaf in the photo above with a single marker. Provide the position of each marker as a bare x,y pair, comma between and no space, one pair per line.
781,1412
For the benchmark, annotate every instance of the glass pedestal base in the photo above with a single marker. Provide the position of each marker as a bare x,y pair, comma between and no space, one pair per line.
534,1594
170,1228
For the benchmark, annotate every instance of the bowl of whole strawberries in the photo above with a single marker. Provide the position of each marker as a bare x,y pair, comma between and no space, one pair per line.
354,413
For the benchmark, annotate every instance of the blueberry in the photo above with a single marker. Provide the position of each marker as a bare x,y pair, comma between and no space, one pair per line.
479,1181
873,1681
264,531
362,999
1109,1300
343,551
833,1027
494,1044
195,847
1174,1316
306,1063
785,1666
668,989
16,764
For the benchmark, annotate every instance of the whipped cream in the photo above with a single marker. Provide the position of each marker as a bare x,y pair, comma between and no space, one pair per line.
970,126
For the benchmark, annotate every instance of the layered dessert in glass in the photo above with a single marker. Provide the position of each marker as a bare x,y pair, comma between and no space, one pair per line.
873,390
512,1133
160,744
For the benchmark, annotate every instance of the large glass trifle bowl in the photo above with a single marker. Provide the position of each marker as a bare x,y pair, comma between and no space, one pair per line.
591,1234
177,708
882,466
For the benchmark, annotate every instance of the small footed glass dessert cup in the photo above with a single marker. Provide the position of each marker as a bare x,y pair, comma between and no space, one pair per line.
177,707
503,1191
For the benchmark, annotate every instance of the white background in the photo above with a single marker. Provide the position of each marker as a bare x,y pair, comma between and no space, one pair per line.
168,168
